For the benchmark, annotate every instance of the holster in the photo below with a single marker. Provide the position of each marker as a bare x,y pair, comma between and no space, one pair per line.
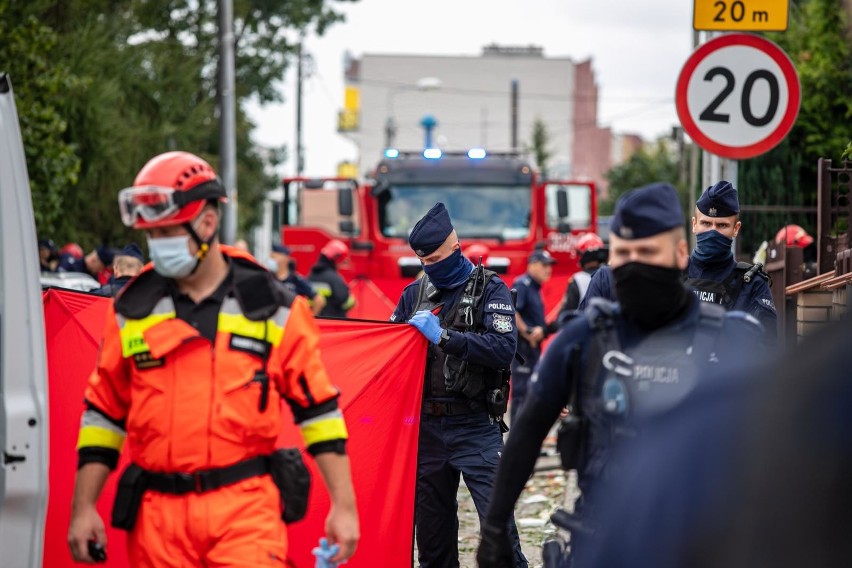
293,480
128,497
569,441
497,395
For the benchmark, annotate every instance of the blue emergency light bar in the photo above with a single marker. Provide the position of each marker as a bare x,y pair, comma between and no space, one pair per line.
391,153
432,153
476,153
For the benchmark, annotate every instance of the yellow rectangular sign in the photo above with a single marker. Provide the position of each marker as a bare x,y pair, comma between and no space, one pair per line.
741,15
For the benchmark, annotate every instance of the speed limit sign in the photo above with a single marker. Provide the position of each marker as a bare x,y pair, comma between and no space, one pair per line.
738,96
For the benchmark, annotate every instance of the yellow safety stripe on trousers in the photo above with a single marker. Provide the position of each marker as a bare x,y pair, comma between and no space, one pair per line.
97,436
350,301
323,428
232,320
131,330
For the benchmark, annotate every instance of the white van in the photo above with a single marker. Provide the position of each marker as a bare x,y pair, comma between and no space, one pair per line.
23,368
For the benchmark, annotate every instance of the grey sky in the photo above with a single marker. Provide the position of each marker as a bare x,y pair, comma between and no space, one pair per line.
637,47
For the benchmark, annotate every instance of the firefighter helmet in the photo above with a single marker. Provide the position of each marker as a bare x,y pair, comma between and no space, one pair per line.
335,250
794,236
476,251
591,248
170,189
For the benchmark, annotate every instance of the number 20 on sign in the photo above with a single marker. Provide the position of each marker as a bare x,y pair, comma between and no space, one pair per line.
740,15
738,96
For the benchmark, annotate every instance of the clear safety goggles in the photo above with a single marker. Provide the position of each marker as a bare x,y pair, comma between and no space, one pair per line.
153,203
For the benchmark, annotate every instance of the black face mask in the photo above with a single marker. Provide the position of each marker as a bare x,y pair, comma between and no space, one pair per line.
649,295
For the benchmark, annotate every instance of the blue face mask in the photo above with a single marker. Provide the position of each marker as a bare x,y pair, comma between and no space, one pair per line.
712,246
171,256
450,272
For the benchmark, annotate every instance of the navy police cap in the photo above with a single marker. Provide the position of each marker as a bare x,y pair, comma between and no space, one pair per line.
431,231
719,200
105,254
281,249
647,211
132,250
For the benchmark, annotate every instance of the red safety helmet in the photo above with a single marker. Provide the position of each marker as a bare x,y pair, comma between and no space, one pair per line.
335,250
591,248
476,251
170,189
73,249
794,236
589,241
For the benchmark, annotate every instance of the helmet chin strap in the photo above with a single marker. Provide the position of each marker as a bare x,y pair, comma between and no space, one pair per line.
203,246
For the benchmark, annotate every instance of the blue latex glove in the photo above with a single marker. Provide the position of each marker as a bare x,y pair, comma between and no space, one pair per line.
324,553
427,323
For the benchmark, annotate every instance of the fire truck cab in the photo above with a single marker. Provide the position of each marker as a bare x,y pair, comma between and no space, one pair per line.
496,200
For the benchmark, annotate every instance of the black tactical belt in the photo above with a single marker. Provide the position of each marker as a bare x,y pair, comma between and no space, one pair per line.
448,408
203,481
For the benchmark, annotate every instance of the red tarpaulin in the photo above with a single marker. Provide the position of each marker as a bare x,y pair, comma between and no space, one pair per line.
379,369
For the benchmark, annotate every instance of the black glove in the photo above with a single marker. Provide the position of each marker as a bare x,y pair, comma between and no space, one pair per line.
495,547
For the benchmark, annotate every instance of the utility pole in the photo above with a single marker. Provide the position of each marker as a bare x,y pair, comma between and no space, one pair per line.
300,158
514,118
227,120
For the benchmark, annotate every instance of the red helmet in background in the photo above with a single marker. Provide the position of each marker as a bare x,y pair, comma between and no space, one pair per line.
591,248
73,249
794,236
476,251
170,189
335,250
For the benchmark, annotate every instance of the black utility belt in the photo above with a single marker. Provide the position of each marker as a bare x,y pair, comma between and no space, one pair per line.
208,480
285,465
450,408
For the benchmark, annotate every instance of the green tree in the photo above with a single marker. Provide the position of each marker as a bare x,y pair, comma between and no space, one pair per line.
540,145
650,164
27,52
145,80
818,42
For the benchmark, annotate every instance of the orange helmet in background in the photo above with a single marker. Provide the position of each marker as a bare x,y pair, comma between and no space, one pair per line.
794,236
171,189
476,251
335,250
591,248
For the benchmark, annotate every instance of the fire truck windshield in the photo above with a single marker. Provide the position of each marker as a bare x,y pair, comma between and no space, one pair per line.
478,211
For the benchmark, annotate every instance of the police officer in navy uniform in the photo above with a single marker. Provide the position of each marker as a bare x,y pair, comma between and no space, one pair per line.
532,327
472,342
713,273
618,362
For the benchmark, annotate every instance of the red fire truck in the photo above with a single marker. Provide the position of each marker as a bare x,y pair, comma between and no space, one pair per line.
496,200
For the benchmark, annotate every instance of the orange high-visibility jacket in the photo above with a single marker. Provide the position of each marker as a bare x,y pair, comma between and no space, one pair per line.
187,405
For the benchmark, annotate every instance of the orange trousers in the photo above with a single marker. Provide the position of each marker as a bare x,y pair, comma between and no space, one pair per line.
237,525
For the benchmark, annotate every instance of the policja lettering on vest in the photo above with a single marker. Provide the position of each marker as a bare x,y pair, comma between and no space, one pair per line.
616,364
472,343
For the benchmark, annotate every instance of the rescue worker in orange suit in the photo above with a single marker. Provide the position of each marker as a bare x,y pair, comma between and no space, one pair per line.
197,355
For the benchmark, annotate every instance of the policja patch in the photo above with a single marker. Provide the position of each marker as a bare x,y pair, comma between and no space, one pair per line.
501,323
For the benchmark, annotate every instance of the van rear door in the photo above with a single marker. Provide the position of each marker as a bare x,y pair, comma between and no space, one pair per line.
23,370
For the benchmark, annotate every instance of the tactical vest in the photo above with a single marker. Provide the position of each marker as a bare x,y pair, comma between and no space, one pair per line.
449,377
618,387
726,292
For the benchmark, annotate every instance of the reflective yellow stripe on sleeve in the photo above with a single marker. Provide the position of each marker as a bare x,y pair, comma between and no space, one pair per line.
324,428
97,436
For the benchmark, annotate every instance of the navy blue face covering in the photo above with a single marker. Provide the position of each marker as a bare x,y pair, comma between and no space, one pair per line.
450,272
712,246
